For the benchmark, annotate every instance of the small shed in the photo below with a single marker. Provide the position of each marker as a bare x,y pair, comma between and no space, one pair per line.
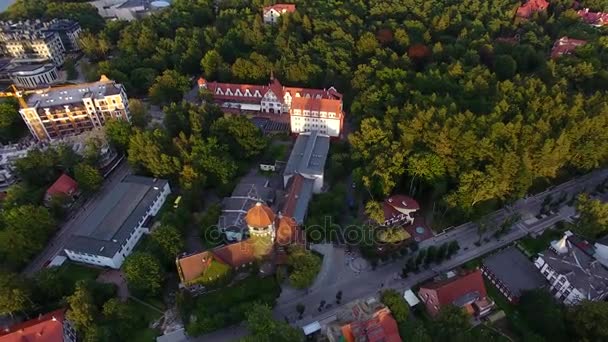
411,298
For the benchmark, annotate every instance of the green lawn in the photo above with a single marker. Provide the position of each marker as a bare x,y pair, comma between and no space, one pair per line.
515,323
227,305
541,243
74,272
145,335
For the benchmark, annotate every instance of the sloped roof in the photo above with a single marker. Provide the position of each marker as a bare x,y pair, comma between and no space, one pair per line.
259,216
281,8
448,291
64,185
395,202
287,230
235,254
298,197
593,18
381,328
46,328
192,266
565,45
321,105
526,10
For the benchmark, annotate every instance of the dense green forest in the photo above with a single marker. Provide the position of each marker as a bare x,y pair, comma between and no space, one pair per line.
459,95
455,98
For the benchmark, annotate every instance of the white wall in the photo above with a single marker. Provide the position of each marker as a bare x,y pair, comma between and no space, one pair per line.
300,124
560,283
118,258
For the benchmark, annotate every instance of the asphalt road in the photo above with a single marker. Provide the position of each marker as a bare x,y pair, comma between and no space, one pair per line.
364,284
76,217
368,283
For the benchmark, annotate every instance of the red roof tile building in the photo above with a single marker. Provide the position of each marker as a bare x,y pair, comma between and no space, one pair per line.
381,328
235,255
272,13
399,209
63,186
597,19
526,10
309,109
51,327
261,220
565,46
464,290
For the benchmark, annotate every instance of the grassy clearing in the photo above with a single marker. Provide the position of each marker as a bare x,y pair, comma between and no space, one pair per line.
75,272
540,243
516,325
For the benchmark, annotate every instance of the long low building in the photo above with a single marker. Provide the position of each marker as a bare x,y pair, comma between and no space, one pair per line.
308,158
309,109
109,233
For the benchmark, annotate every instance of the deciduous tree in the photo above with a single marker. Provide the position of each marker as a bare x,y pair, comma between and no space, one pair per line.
143,273
88,177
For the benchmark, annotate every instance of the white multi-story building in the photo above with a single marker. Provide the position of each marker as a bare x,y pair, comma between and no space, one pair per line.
272,13
323,115
572,273
110,232
309,109
69,110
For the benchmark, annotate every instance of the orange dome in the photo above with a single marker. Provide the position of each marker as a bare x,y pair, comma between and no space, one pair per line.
259,216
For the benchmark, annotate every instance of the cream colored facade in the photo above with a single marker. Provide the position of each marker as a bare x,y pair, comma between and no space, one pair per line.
326,122
64,111
47,46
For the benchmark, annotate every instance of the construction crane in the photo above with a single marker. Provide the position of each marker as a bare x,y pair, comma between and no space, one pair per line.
14,92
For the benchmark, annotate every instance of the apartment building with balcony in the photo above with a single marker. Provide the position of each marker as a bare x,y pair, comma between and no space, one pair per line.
69,110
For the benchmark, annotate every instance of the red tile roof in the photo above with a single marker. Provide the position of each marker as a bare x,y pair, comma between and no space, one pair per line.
277,88
287,231
321,105
275,85
289,207
526,10
381,328
235,254
64,185
46,328
593,18
395,202
192,266
281,8
259,216
565,45
445,292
